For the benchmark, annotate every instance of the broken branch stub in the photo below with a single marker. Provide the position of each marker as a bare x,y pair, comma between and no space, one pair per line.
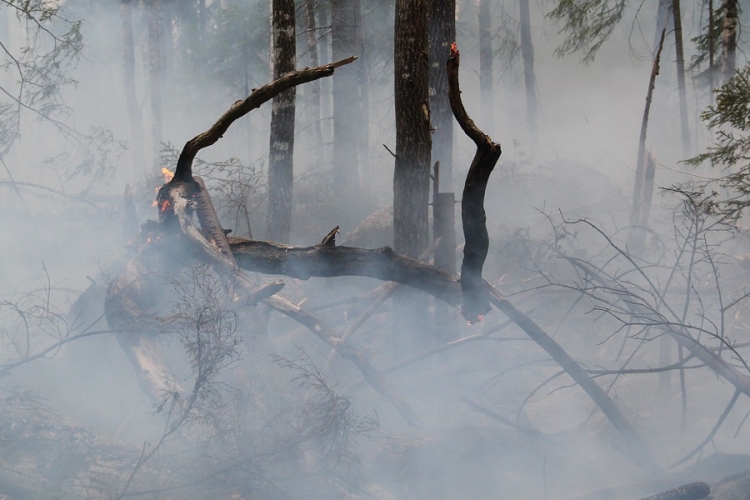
473,217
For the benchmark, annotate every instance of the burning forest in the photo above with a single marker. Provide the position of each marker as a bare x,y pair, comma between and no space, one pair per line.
331,291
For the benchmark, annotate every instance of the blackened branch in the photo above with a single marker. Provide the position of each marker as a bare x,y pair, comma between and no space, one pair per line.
475,301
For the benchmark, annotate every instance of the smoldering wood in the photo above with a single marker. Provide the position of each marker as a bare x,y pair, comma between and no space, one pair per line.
227,264
474,219
692,491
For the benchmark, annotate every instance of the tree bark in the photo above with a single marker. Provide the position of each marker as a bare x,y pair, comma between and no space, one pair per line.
729,40
411,175
411,178
636,234
128,80
474,219
442,34
156,77
527,52
346,107
312,49
281,149
485,64
677,16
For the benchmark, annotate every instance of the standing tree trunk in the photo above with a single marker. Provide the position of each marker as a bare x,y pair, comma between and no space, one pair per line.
156,77
281,149
442,34
677,16
485,64
729,40
411,176
364,97
527,52
312,49
128,80
346,110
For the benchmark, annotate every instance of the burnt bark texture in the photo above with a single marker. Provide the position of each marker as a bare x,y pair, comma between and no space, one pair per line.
281,148
729,40
128,82
156,76
677,17
485,63
346,106
474,219
529,78
411,177
312,50
442,34
642,172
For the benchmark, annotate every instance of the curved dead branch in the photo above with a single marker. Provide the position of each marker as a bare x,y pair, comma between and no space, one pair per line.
475,301
184,171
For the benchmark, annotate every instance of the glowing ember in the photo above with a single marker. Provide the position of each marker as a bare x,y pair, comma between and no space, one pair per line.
478,319
167,174
454,50
164,205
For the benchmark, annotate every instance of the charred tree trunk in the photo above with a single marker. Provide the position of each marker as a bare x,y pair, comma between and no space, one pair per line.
128,80
364,97
411,176
527,52
281,149
312,49
677,17
636,236
156,77
346,108
729,40
475,301
485,64
442,34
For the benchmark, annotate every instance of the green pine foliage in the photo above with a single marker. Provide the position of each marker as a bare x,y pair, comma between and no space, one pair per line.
730,118
587,24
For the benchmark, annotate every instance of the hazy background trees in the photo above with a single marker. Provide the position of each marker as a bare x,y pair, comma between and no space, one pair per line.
561,85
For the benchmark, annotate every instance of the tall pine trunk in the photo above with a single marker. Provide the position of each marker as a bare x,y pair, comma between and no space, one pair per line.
729,40
156,77
281,148
411,176
442,34
486,94
346,106
527,52
677,17
128,81
363,84
312,50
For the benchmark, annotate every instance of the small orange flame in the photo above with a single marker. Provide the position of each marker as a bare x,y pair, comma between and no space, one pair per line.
454,50
168,175
164,205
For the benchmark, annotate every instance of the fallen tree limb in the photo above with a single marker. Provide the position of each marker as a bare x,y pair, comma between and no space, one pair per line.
228,264
692,491
383,263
